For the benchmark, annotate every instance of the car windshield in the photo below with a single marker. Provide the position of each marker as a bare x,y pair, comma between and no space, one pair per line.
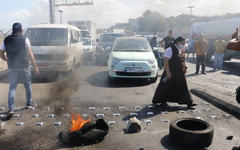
87,42
110,37
47,36
132,45
85,33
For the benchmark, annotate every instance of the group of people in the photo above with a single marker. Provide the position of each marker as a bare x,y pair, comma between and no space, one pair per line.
173,85
200,46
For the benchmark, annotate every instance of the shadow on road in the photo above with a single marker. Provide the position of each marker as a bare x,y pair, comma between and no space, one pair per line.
142,114
100,80
165,141
34,138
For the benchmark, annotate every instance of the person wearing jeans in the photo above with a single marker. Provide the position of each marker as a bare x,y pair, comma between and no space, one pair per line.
22,75
201,59
219,47
19,53
201,46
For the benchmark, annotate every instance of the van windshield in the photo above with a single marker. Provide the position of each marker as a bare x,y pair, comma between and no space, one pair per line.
47,36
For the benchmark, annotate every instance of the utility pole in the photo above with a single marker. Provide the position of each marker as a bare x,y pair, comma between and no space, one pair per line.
190,8
53,4
52,11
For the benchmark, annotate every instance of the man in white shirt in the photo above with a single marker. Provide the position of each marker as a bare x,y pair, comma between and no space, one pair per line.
19,53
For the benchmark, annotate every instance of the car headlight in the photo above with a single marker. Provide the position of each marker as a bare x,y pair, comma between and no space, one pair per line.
115,60
151,61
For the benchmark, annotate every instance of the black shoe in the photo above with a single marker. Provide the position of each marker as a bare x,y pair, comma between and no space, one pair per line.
8,115
204,73
196,73
191,106
164,105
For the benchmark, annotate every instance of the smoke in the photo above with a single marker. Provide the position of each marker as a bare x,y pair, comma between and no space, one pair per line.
60,94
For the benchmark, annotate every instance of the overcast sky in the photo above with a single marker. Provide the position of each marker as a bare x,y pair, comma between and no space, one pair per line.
107,12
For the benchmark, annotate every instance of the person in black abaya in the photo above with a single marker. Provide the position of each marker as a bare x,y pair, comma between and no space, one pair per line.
173,85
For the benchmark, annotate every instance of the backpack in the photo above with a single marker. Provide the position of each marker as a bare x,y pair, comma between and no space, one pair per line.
238,94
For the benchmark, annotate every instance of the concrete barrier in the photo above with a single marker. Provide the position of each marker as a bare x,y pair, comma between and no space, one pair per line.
220,103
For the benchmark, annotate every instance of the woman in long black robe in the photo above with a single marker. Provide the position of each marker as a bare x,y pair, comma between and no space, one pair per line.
173,85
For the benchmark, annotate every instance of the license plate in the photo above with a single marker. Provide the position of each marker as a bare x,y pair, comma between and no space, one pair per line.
134,70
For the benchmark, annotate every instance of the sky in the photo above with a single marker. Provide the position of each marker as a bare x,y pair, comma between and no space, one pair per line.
107,12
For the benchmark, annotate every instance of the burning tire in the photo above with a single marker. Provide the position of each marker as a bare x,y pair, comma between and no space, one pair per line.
90,133
191,132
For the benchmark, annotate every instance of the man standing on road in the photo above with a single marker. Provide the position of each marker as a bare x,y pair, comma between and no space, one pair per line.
18,51
201,46
154,45
168,40
219,47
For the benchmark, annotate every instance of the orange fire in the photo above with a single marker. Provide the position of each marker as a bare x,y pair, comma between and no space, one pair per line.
77,122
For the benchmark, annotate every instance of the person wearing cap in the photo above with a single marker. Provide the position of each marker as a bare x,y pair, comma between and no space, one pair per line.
18,55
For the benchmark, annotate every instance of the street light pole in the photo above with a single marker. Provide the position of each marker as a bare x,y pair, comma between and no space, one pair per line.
60,11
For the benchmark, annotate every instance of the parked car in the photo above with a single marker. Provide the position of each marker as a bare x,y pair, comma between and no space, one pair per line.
89,48
104,47
132,57
57,48
102,55
107,39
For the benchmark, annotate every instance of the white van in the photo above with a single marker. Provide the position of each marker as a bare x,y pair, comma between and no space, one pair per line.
56,47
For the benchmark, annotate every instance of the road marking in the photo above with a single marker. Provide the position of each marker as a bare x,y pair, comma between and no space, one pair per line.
35,115
19,123
39,123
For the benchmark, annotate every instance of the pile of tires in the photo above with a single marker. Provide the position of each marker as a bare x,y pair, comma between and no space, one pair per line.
191,132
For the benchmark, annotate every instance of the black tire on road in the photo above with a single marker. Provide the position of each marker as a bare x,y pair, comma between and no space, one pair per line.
191,132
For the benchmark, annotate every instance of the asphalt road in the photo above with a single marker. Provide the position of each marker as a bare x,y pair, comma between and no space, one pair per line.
88,87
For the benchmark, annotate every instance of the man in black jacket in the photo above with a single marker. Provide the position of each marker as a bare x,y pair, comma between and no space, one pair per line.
19,53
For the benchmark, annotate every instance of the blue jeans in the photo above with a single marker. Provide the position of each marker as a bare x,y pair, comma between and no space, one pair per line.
22,75
157,56
218,61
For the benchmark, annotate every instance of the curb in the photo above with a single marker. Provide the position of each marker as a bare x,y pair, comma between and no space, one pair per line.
219,103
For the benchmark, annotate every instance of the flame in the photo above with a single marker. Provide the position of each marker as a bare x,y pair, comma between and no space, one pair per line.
77,122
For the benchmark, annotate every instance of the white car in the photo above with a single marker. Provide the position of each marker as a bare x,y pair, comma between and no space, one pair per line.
132,57
89,48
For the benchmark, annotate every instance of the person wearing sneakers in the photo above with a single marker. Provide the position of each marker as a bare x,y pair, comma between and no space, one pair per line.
18,55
